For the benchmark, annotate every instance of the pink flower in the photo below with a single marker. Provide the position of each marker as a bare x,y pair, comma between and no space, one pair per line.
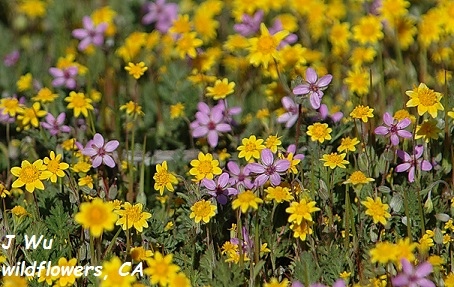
162,13
239,176
100,152
291,116
413,276
56,125
269,169
219,189
90,34
324,113
250,24
411,162
313,87
394,129
64,77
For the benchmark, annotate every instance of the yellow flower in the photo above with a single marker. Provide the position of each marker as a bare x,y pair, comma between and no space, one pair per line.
105,15
204,167
140,254
136,70
10,106
345,275
69,278
25,82
405,249
451,113
348,144
278,193
383,252
362,112
181,25
54,167
319,132
205,25
202,210
245,200
449,280
377,209
45,95
368,30
32,8
300,211
176,111
358,177
111,275
275,283
179,280
427,100
132,109
334,160
164,179
14,281
391,10
96,216
161,269
361,55
402,114
302,230
263,49
79,103
3,191
133,216
425,243
29,175
251,147
19,211
221,89
427,130
235,43
86,181
357,81
186,45
31,115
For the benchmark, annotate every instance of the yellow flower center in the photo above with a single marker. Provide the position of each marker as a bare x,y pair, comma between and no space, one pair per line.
334,159
185,43
246,197
53,166
97,215
427,97
29,114
11,104
29,174
162,178
302,209
205,167
319,131
358,177
133,214
79,101
360,112
266,44
376,209
221,89
202,209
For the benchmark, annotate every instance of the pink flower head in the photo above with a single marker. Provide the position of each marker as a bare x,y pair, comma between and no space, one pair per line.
11,58
161,13
394,129
269,169
413,276
209,123
90,34
313,87
239,176
291,116
100,152
228,112
411,162
55,125
324,114
64,77
250,24
219,189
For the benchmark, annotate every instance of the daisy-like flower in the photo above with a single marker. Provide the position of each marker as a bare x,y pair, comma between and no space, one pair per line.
91,34
161,269
10,106
413,162
100,151
239,176
202,211
45,95
204,167
246,200
293,157
334,160
358,177
427,130
302,230
80,103
394,129
54,168
86,181
64,77
427,100
413,276
111,274
383,252
132,109
163,179
301,210
187,44
268,169
136,70
348,144
132,216
140,254
264,49
362,112
319,132
377,210
30,175
250,147
291,116
96,216
31,115
278,194
219,188
313,87
55,125
221,89
368,30
66,278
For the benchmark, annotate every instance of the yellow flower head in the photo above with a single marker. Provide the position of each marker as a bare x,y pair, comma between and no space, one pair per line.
80,103
202,211
300,211
54,168
14,281
31,115
186,45
221,89
96,216
348,144
10,106
25,82
111,274
33,9
245,200
132,216
132,109
163,178
319,132
3,191
30,175
368,30
278,193
302,230
69,278
362,112
140,254
250,147
176,111
161,269
275,283
357,81
204,167
377,210
427,130
19,211
264,49
45,95
427,100
334,160
358,177
384,252
136,70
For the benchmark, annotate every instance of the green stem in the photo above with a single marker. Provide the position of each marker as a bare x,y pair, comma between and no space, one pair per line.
92,251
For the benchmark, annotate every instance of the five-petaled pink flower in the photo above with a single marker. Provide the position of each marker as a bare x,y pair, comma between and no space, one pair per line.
100,152
413,276
90,34
269,169
220,189
411,162
313,87
64,77
291,116
394,129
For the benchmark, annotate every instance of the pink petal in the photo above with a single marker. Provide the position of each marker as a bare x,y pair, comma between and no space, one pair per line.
233,168
213,138
223,180
394,139
407,267
88,151
411,174
388,119
324,81
55,72
301,89
275,179
97,161
424,269
418,151
315,100
261,179
426,165
288,103
199,131
111,146
98,140
108,160
255,168
79,33
291,121
267,157
209,184
403,167
88,24
223,128
381,130
311,76
404,134
404,123
282,165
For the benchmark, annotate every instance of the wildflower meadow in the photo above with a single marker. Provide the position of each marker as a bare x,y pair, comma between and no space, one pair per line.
227,143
